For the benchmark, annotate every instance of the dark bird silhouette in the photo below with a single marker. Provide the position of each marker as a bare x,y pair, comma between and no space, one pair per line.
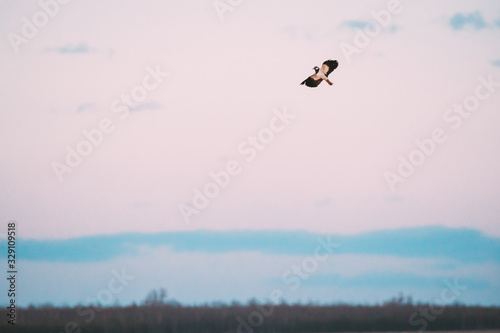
321,74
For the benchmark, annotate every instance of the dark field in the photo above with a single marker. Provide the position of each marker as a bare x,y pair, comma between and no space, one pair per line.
254,317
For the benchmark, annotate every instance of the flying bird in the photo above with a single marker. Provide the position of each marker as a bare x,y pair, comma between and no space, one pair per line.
321,74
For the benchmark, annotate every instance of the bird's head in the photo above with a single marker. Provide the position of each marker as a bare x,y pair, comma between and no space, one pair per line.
316,69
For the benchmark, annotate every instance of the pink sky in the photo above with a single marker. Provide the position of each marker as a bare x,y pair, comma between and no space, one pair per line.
324,172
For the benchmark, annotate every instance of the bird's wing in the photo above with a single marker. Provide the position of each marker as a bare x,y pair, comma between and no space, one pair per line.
312,81
328,66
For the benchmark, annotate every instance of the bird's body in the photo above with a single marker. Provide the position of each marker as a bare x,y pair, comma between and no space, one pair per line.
321,74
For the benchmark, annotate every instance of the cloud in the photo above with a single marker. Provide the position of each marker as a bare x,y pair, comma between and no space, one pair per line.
394,28
393,279
459,21
355,24
146,106
69,49
496,63
361,25
464,245
86,106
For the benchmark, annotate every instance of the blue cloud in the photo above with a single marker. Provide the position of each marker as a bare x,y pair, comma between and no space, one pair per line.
459,21
68,49
355,24
464,245
393,28
496,63
393,280
146,106
86,106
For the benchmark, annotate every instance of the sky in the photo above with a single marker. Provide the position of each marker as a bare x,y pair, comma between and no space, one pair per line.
174,142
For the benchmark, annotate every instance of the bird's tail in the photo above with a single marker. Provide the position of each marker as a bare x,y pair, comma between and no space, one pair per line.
329,82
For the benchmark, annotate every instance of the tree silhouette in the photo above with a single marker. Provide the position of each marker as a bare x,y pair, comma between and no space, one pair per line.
155,297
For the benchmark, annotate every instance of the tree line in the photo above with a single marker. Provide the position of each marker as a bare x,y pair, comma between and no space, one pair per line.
157,315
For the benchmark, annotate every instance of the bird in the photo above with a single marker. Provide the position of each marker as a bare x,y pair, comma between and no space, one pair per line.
321,74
